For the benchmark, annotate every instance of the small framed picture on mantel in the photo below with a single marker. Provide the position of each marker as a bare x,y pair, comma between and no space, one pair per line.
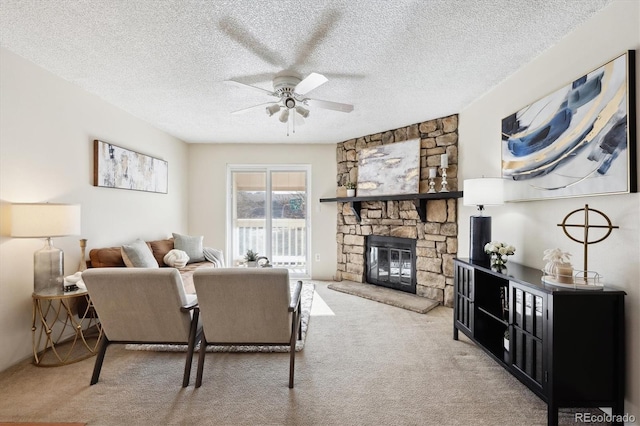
118,167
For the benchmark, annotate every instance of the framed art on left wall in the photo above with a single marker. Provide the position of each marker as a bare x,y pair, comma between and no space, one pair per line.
117,167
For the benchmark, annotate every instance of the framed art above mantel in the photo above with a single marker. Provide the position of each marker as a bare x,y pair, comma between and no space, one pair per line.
117,167
579,140
389,169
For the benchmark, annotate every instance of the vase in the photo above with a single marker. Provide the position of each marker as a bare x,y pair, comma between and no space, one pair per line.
498,261
351,192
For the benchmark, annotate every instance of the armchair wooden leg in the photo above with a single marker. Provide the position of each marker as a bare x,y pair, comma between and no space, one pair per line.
201,355
292,362
99,359
193,338
292,347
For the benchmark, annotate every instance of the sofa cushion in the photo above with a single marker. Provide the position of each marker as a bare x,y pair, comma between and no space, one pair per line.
187,275
138,255
160,248
192,245
110,257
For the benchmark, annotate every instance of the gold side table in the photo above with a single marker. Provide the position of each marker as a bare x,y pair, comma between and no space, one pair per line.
68,329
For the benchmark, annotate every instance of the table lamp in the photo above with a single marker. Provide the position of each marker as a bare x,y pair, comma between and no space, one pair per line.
481,192
44,220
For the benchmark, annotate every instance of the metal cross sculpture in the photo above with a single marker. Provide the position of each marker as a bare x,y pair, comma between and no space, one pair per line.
586,225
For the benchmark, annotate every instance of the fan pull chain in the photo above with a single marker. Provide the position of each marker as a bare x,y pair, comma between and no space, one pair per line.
288,120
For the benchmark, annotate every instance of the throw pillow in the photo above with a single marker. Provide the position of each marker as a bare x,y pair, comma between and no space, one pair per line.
110,257
138,255
192,245
160,248
176,258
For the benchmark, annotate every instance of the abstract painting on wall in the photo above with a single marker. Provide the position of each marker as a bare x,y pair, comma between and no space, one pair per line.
577,141
389,169
117,167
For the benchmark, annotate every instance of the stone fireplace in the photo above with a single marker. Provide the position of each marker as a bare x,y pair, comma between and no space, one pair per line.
436,240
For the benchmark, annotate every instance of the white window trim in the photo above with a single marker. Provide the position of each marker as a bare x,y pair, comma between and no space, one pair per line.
269,168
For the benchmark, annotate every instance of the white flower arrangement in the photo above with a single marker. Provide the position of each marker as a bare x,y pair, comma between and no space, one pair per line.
496,247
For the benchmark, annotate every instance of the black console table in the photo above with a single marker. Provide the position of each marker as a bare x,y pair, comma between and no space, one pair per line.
566,345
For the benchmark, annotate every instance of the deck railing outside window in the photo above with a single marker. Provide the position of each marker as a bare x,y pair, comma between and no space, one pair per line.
288,241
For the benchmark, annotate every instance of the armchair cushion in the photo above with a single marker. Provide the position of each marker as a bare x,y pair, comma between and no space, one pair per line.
136,304
244,305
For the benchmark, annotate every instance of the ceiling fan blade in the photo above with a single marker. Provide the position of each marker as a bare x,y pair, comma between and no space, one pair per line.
240,111
242,36
310,82
259,89
335,106
323,27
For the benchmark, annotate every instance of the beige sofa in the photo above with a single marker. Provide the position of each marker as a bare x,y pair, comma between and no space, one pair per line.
111,257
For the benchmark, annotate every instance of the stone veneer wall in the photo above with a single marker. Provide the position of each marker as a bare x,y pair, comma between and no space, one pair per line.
437,238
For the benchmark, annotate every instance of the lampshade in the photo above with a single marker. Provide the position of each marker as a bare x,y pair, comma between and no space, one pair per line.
483,192
302,111
42,220
284,116
272,109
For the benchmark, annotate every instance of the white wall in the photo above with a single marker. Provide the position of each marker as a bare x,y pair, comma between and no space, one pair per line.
207,183
47,128
532,226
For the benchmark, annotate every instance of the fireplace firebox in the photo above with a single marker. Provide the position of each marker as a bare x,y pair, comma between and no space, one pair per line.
391,262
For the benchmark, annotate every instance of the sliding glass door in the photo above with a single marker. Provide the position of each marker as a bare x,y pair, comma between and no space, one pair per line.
267,213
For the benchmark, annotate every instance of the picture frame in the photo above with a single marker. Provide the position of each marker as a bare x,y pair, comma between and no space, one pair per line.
389,169
122,168
579,140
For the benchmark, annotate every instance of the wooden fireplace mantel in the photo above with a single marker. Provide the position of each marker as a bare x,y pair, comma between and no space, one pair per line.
419,201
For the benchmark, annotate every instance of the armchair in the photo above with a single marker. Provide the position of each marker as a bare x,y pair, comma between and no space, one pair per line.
246,306
139,305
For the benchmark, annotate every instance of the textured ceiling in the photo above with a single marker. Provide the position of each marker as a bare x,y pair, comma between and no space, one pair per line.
398,62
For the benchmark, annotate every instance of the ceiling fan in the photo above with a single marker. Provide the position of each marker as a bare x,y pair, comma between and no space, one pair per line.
290,91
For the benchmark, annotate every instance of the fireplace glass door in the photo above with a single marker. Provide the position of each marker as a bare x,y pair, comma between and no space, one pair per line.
391,263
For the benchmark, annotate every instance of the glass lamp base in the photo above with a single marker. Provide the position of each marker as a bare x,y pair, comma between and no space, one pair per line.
48,268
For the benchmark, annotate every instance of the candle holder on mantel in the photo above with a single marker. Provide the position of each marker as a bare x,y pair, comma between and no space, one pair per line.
432,180
443,185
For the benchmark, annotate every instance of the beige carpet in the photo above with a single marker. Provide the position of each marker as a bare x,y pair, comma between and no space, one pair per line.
368,364
387,296
40,424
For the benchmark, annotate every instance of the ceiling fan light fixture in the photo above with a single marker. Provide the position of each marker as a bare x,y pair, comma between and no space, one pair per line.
272,109
302,111
290,103
284,116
